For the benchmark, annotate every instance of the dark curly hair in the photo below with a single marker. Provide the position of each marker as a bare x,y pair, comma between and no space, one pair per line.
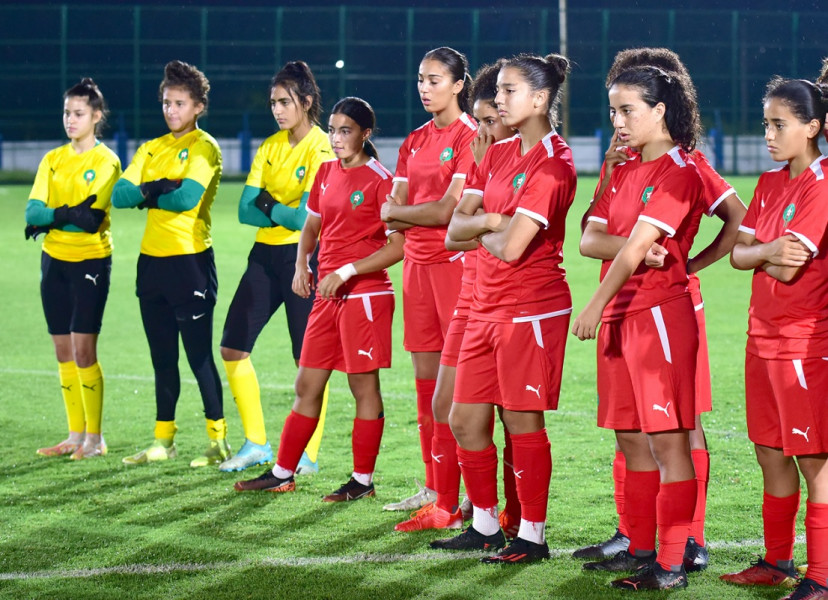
297,78
484,86
457,64
88,89
178,74
663,58
542,73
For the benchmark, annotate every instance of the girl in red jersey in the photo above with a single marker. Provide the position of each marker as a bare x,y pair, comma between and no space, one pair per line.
647,314
720,200
431,170
520,311
349,328
444,512
784,240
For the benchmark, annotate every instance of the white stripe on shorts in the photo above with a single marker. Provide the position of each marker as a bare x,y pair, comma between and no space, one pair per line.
537,331
662,332
698,306
800,373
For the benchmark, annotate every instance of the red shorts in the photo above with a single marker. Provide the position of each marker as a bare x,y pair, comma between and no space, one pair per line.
647,369
454,338
429,296
704,393
514,365
352,335
787,403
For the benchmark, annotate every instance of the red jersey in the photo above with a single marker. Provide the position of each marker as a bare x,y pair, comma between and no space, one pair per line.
790,320
430,158
541,185
669,194
348,203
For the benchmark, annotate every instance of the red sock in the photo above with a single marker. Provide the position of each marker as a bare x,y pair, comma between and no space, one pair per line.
533,470
779,519
619,472
701,462
445,467
296,434
365,443
675,504
816,536
425,424
640,493
479,469
512,507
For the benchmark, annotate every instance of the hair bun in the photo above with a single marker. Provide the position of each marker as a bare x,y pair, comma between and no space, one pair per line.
88,82
560,64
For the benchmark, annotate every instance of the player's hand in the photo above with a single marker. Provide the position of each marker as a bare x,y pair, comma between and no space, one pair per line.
479,146
787,251
302,282
655,256
84,216
265,203
32,231
385,210
61,216
329,285
394,200
614,156
586,323
151,190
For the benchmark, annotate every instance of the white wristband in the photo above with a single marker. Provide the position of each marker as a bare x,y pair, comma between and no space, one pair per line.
346,272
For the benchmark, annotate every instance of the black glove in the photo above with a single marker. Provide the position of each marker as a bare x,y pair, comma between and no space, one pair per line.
32,231
84,216
151,190
265,203
61,216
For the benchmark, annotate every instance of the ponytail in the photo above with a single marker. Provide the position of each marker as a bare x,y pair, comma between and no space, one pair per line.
547,73
297,78
458,66
87,88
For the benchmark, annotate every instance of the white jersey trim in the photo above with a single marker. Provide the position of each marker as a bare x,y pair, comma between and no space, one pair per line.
808,243
456,256
660,224
459,176
474,191
816,167
533,215
719,200
598,220
468,121
674,154
549,315
377,168
747,230
400,179
547,143
312,212
699,306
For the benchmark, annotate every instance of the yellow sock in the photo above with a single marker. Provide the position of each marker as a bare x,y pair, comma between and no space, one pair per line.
165,430
70,387
92,388
245,389
217,430
313,445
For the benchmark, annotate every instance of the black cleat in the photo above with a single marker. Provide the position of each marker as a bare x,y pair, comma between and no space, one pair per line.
652,577
266,482
520,551
605,549
353,490
622,561
808,589
471,539
695,556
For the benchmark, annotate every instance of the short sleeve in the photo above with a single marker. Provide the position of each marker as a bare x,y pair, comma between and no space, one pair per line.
102,186
810,218
478,175
600,209
201,163
671,199
134,171
748,224
546,191
313,207
401,173
716,189
315,159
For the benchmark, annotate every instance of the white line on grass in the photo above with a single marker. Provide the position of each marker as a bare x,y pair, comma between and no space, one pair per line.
143,569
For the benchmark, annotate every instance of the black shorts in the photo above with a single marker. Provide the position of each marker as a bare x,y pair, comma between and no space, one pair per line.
264,287
74,293
177,280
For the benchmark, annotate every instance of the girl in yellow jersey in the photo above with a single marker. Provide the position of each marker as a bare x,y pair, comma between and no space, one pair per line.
274,200
70,203
175,177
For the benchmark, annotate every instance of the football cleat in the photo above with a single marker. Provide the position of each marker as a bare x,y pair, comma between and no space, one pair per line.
352,490
762,573
519,551
509,524
431,516
695,556
159,450
622,561
90,449
217,452
67,446
266,482
605,549
307,466
418,500
249,455
652,576
808,589
471,539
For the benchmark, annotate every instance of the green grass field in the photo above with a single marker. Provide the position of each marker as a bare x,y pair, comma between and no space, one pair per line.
98,529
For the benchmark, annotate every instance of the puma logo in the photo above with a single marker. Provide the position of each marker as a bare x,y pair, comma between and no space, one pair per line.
437,457
200,294
536,390
92,279
518,473
804,434
89,387
415,150
364,353
68,388
324,187
663,409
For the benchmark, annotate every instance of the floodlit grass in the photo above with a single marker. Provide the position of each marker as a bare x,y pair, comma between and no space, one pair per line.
98,529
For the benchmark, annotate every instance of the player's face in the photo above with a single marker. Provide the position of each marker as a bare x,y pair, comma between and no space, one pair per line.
438,91
635,121
79,119
516,102
180,110
787,137
346,137
286,109
489,122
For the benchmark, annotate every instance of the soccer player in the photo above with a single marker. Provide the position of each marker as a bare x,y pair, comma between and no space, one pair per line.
784,240
721,200
649,334
350,325
69,202
444,512
513,347
175,178
432,167
274,199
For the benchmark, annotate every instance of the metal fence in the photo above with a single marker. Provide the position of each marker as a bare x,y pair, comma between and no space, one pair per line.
731,55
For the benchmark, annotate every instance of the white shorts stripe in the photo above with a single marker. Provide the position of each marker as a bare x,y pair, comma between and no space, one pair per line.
537,331
800,374
698,306
368,295
366,304
662,333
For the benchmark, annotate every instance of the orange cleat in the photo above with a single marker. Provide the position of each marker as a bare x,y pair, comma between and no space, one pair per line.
431,516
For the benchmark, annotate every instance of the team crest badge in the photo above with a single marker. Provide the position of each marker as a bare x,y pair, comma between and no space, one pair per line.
357,198
648,192
184,154
300,173
789,213
89,176
518,181
446,155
